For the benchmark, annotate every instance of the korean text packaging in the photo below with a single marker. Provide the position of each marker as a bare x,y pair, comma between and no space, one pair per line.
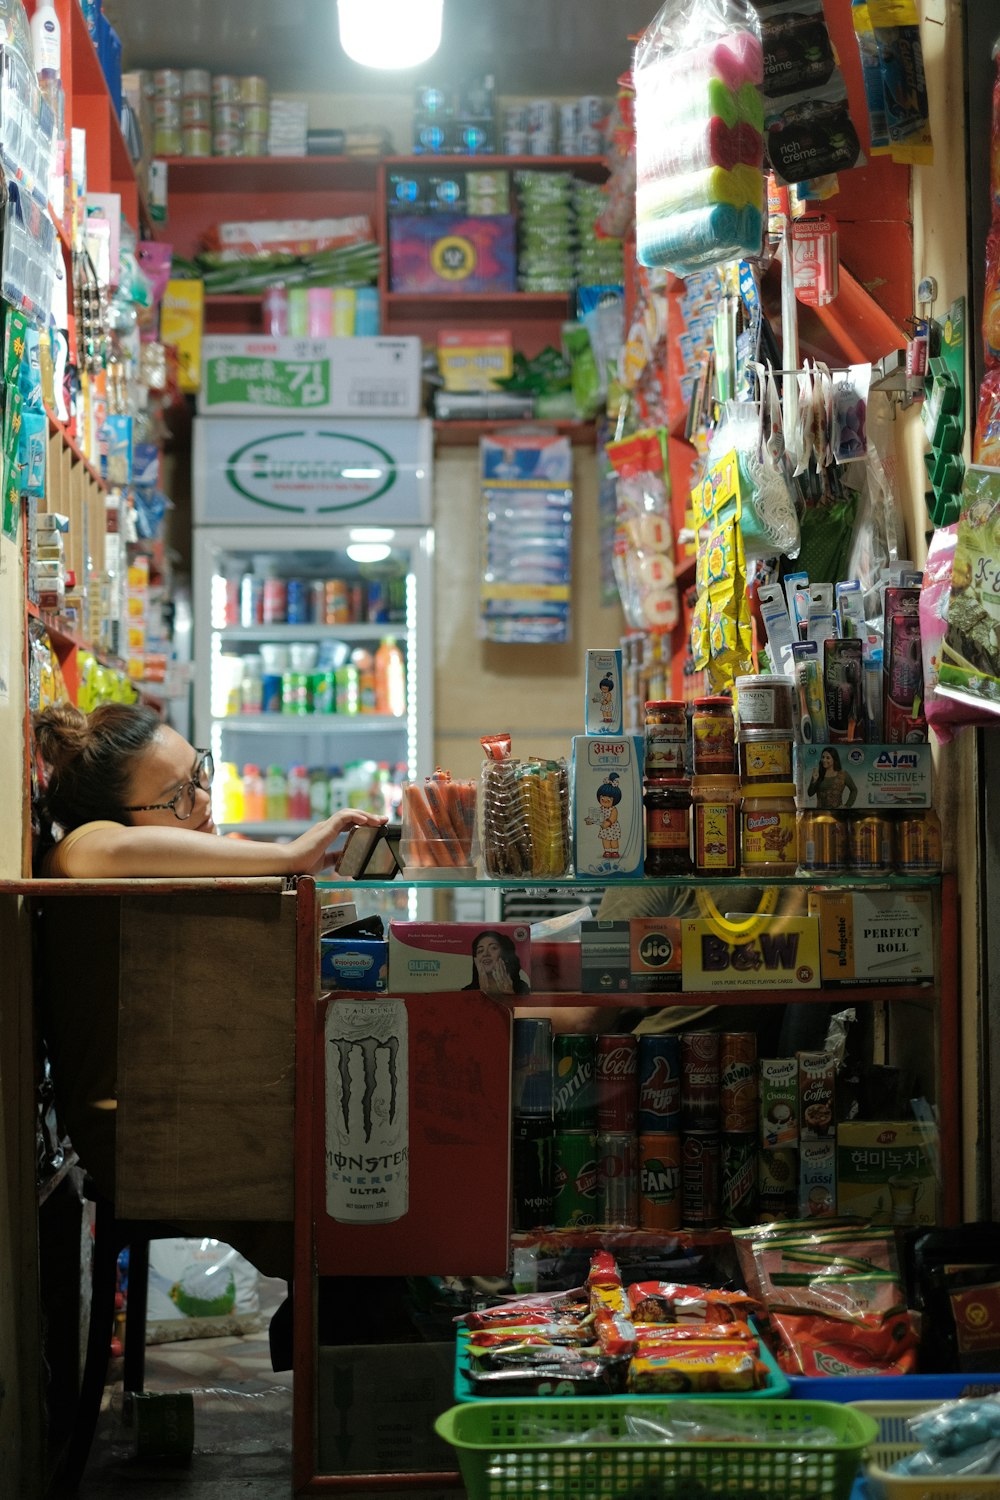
885,1171
354,963
874,937
603,692
247,375
607,806
428,956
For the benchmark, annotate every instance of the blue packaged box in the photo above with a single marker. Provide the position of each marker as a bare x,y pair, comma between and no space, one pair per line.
354,963
603,691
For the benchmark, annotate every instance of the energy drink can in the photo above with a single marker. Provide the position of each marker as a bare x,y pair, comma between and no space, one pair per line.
317,602
531,1172
871,842
531,1089
618,1180
367,1111
617,1082
660,1201
574,1098
700,1180
738,1082
700,1080
659,1085
574,1179
251,600
338,603
378,602
739,1179
822,841
777,1183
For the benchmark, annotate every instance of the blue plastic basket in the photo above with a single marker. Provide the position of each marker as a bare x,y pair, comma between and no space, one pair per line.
777,1384
891,1387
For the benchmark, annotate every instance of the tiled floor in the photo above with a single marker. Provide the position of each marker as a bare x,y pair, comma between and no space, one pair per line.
242,1431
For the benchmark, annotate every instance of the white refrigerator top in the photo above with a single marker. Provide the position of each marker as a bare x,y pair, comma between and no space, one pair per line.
288,471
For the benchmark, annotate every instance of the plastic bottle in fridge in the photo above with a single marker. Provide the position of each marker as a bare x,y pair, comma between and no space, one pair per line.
390,679
319,794
364,662
229,790
253,795
299,807
275,795
252,686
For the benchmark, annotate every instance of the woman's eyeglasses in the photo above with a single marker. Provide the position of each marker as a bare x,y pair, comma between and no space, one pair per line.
181,803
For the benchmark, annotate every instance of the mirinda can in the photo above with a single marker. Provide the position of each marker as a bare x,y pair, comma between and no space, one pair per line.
660,1201
738,1082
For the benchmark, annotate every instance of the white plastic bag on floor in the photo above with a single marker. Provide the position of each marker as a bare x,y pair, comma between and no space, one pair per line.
200,1288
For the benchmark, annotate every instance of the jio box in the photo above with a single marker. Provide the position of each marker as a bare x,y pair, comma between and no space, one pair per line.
354,963
427,956
446,253
654,954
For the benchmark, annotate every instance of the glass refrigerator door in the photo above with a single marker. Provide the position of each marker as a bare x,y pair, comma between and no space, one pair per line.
312,671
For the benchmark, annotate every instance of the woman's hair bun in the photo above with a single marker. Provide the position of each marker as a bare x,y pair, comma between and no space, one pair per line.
61,732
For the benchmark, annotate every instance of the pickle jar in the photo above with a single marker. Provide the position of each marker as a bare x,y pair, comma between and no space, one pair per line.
665,739
668,808
715,844
713,734
767,829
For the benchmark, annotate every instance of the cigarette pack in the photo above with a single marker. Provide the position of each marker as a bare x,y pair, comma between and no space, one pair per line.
607,807
603,688
874,937
428,956
604,957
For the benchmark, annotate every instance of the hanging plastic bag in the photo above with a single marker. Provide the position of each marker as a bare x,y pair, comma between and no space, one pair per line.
699,143
768,521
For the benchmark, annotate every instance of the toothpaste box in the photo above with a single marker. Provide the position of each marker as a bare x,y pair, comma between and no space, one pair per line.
427,956
607,812
354,963
874,937
603,689
604,957
885,1171
878,775
654,953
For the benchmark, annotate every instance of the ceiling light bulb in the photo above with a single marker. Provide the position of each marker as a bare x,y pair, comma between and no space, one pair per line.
390,33
368,552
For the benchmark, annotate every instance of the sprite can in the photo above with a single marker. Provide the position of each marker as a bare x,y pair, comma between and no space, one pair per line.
574,1097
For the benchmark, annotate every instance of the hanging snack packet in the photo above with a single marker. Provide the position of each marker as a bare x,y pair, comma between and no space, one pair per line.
644,538
871,73
901,59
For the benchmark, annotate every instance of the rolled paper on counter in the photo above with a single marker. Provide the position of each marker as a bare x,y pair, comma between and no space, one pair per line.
741,187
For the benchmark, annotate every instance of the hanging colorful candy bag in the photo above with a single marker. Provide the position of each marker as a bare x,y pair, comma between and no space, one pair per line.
644,538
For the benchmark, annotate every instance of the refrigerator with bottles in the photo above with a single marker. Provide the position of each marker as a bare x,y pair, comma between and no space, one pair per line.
312,558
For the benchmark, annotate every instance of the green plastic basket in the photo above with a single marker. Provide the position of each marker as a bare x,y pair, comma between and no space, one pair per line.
522,1450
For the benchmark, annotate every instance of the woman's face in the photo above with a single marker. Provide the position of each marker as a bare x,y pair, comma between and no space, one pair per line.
826,760
488,952
166,765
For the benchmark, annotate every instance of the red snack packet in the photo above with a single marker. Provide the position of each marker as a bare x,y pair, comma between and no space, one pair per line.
616,1333
812,1345
603,1270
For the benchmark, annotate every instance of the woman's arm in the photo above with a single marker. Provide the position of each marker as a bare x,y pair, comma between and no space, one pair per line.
124,851
851,790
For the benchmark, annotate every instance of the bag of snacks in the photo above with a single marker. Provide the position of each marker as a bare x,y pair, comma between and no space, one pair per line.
524,812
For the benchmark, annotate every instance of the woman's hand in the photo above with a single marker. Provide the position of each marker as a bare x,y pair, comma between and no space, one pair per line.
496,981
308,854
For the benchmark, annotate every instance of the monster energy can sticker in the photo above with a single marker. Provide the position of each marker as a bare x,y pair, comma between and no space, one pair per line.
367,1111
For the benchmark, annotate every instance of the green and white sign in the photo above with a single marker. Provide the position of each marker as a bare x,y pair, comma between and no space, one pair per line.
251,375
297,472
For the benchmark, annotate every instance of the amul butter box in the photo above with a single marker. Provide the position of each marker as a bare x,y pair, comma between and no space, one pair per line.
835,777
603,692
874,937
608,827
886,1171
783,955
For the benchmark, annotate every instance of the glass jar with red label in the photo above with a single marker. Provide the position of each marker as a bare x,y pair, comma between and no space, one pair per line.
668,839
713,734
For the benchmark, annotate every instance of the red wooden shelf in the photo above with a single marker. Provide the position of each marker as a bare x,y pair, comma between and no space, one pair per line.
459,433
593,167
504,302
269,174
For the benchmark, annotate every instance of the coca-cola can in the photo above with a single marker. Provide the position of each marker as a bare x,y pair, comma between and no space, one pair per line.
739,1180
618,1180
738,1082
660,1203
700,1080
700,1180
617,1083
659,1084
